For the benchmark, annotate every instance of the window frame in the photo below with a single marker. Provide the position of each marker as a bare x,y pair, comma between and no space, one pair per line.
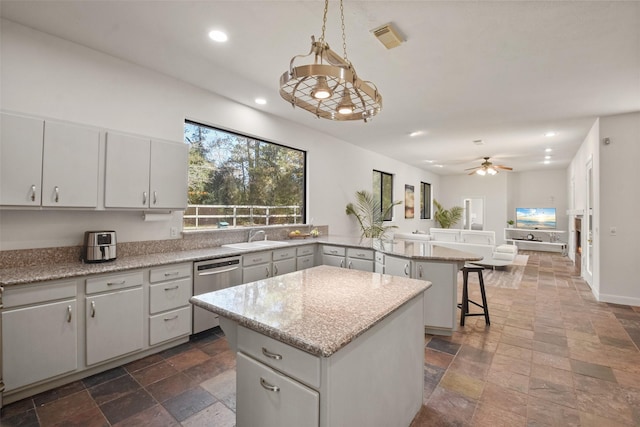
379,193
425,194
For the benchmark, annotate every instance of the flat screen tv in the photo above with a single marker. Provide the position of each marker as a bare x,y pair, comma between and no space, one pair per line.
536,218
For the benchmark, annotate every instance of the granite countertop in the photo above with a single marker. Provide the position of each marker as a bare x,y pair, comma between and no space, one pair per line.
318,310
409,249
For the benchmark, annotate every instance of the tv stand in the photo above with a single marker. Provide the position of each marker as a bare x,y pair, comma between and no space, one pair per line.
543,240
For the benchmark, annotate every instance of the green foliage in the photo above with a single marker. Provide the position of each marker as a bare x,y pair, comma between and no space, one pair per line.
447,217
370,215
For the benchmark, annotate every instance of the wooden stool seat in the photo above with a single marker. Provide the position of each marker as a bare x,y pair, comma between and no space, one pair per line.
464,305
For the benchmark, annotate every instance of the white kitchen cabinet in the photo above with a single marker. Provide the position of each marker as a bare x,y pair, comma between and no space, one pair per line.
114,319
39,333
48,163
360,259
305,257
256,266
144,173
20,160
334,256
273,399
169,307
70,165
397,266
440,301
284,261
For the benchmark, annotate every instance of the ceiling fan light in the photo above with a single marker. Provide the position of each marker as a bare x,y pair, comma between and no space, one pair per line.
481,172
491,171
321,89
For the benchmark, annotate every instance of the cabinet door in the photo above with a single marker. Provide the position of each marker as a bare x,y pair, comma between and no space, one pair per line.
305,262
126,172
283,267
114,324
168,175
267,398
256,272
20,160
70,166
397,266
39,342
335,261
360,264
440,298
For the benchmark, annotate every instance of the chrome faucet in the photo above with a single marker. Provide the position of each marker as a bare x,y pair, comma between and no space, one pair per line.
253,233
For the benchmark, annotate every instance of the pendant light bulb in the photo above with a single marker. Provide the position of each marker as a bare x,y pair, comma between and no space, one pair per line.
481,172
345,106
322,89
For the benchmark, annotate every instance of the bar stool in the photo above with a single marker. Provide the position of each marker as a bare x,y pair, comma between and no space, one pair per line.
464,306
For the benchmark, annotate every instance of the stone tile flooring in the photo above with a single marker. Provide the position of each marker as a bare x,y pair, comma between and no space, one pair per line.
552,356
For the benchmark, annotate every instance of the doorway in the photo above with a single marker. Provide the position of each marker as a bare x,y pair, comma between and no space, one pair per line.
473,217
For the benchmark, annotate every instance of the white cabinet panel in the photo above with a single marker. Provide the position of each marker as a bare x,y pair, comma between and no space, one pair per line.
360,264
169,325
39,342
256,272
304,262
397,266
440,298
335,261
283,267
114,324
126,171
165,296
70,165
168,175
267,398
20,160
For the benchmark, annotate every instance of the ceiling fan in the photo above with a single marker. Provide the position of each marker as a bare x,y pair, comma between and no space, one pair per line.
487,167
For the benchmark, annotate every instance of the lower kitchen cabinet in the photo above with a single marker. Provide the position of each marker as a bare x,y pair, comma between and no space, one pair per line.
272,399
334,256
169,307
40,338
397,266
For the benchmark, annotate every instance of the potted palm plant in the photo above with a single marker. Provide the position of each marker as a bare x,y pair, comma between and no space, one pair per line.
447,217
370,215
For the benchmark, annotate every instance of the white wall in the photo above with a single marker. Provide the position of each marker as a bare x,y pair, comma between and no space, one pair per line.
52,78
539,189
619,208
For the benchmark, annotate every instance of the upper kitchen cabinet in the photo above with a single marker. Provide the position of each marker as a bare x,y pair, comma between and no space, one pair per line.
46,163
20,160
143,173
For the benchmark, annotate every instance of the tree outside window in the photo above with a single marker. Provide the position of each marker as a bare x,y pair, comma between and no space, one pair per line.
425,200
383,191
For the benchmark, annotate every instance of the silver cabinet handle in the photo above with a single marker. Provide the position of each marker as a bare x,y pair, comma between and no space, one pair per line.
266,269
275,270
171,288
33,193
270,355
69,314
1,294
268,386
406,269
93,309
175,273
420,271
144,197
333,251
168,319
56,189
155,197
116,283
350,265
341,263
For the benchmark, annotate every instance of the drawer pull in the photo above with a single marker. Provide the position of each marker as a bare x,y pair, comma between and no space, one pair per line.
122,282
350,265
57,191
420,271
406,269
144,198
155,197
271,355
69,314
168,319
171,288
361,255
33,193
341,263
175,273
333,251
275,269
268,386
93,309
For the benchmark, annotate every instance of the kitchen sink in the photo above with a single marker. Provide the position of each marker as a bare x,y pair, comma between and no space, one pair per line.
259,244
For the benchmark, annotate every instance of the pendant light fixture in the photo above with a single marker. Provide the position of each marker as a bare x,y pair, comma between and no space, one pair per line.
329,87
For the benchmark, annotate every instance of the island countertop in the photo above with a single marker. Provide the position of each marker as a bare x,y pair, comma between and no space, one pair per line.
318,310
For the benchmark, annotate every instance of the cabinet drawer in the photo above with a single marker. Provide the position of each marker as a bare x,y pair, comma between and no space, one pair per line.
177,271
359,253
333,250
169,325
15,296
304,262
256,258
284,254
283,357
306,250
114,281
165,296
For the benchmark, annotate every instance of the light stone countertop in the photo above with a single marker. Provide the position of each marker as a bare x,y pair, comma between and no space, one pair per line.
318,310
404,248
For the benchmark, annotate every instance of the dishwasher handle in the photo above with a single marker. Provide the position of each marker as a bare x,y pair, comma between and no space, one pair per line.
225,270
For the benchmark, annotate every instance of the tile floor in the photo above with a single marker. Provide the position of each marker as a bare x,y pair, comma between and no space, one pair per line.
552,356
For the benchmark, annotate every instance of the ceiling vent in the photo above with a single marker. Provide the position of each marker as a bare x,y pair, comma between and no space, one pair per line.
478,142
388,36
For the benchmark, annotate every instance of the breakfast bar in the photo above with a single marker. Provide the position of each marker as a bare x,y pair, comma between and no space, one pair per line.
325,347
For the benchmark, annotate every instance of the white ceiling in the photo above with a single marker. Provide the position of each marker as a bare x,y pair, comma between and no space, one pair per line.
505,72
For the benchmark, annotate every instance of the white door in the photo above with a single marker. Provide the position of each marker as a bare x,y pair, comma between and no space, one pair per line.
114,324
39,342
126,171
20,160
168,175
70,165
267,398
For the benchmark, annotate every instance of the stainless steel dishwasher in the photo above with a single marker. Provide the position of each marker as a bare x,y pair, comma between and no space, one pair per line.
213,275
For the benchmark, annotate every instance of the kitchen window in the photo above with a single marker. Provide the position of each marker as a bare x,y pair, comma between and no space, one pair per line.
383,191
238,180
425,200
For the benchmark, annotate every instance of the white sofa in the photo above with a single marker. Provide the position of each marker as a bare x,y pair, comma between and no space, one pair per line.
479,242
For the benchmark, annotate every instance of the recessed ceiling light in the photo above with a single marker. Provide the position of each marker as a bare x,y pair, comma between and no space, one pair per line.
548,150
550,134
218,36
439,166
416,133
547,157
546,162
429,161
261,101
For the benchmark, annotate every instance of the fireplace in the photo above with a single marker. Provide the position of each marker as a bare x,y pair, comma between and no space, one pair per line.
578,245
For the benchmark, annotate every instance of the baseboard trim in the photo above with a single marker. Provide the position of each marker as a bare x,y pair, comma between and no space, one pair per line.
617,299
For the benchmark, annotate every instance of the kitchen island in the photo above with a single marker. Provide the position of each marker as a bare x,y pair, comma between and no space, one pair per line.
325,347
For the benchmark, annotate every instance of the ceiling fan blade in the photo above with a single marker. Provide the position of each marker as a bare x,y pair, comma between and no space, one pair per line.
472,173
468,169
507,168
